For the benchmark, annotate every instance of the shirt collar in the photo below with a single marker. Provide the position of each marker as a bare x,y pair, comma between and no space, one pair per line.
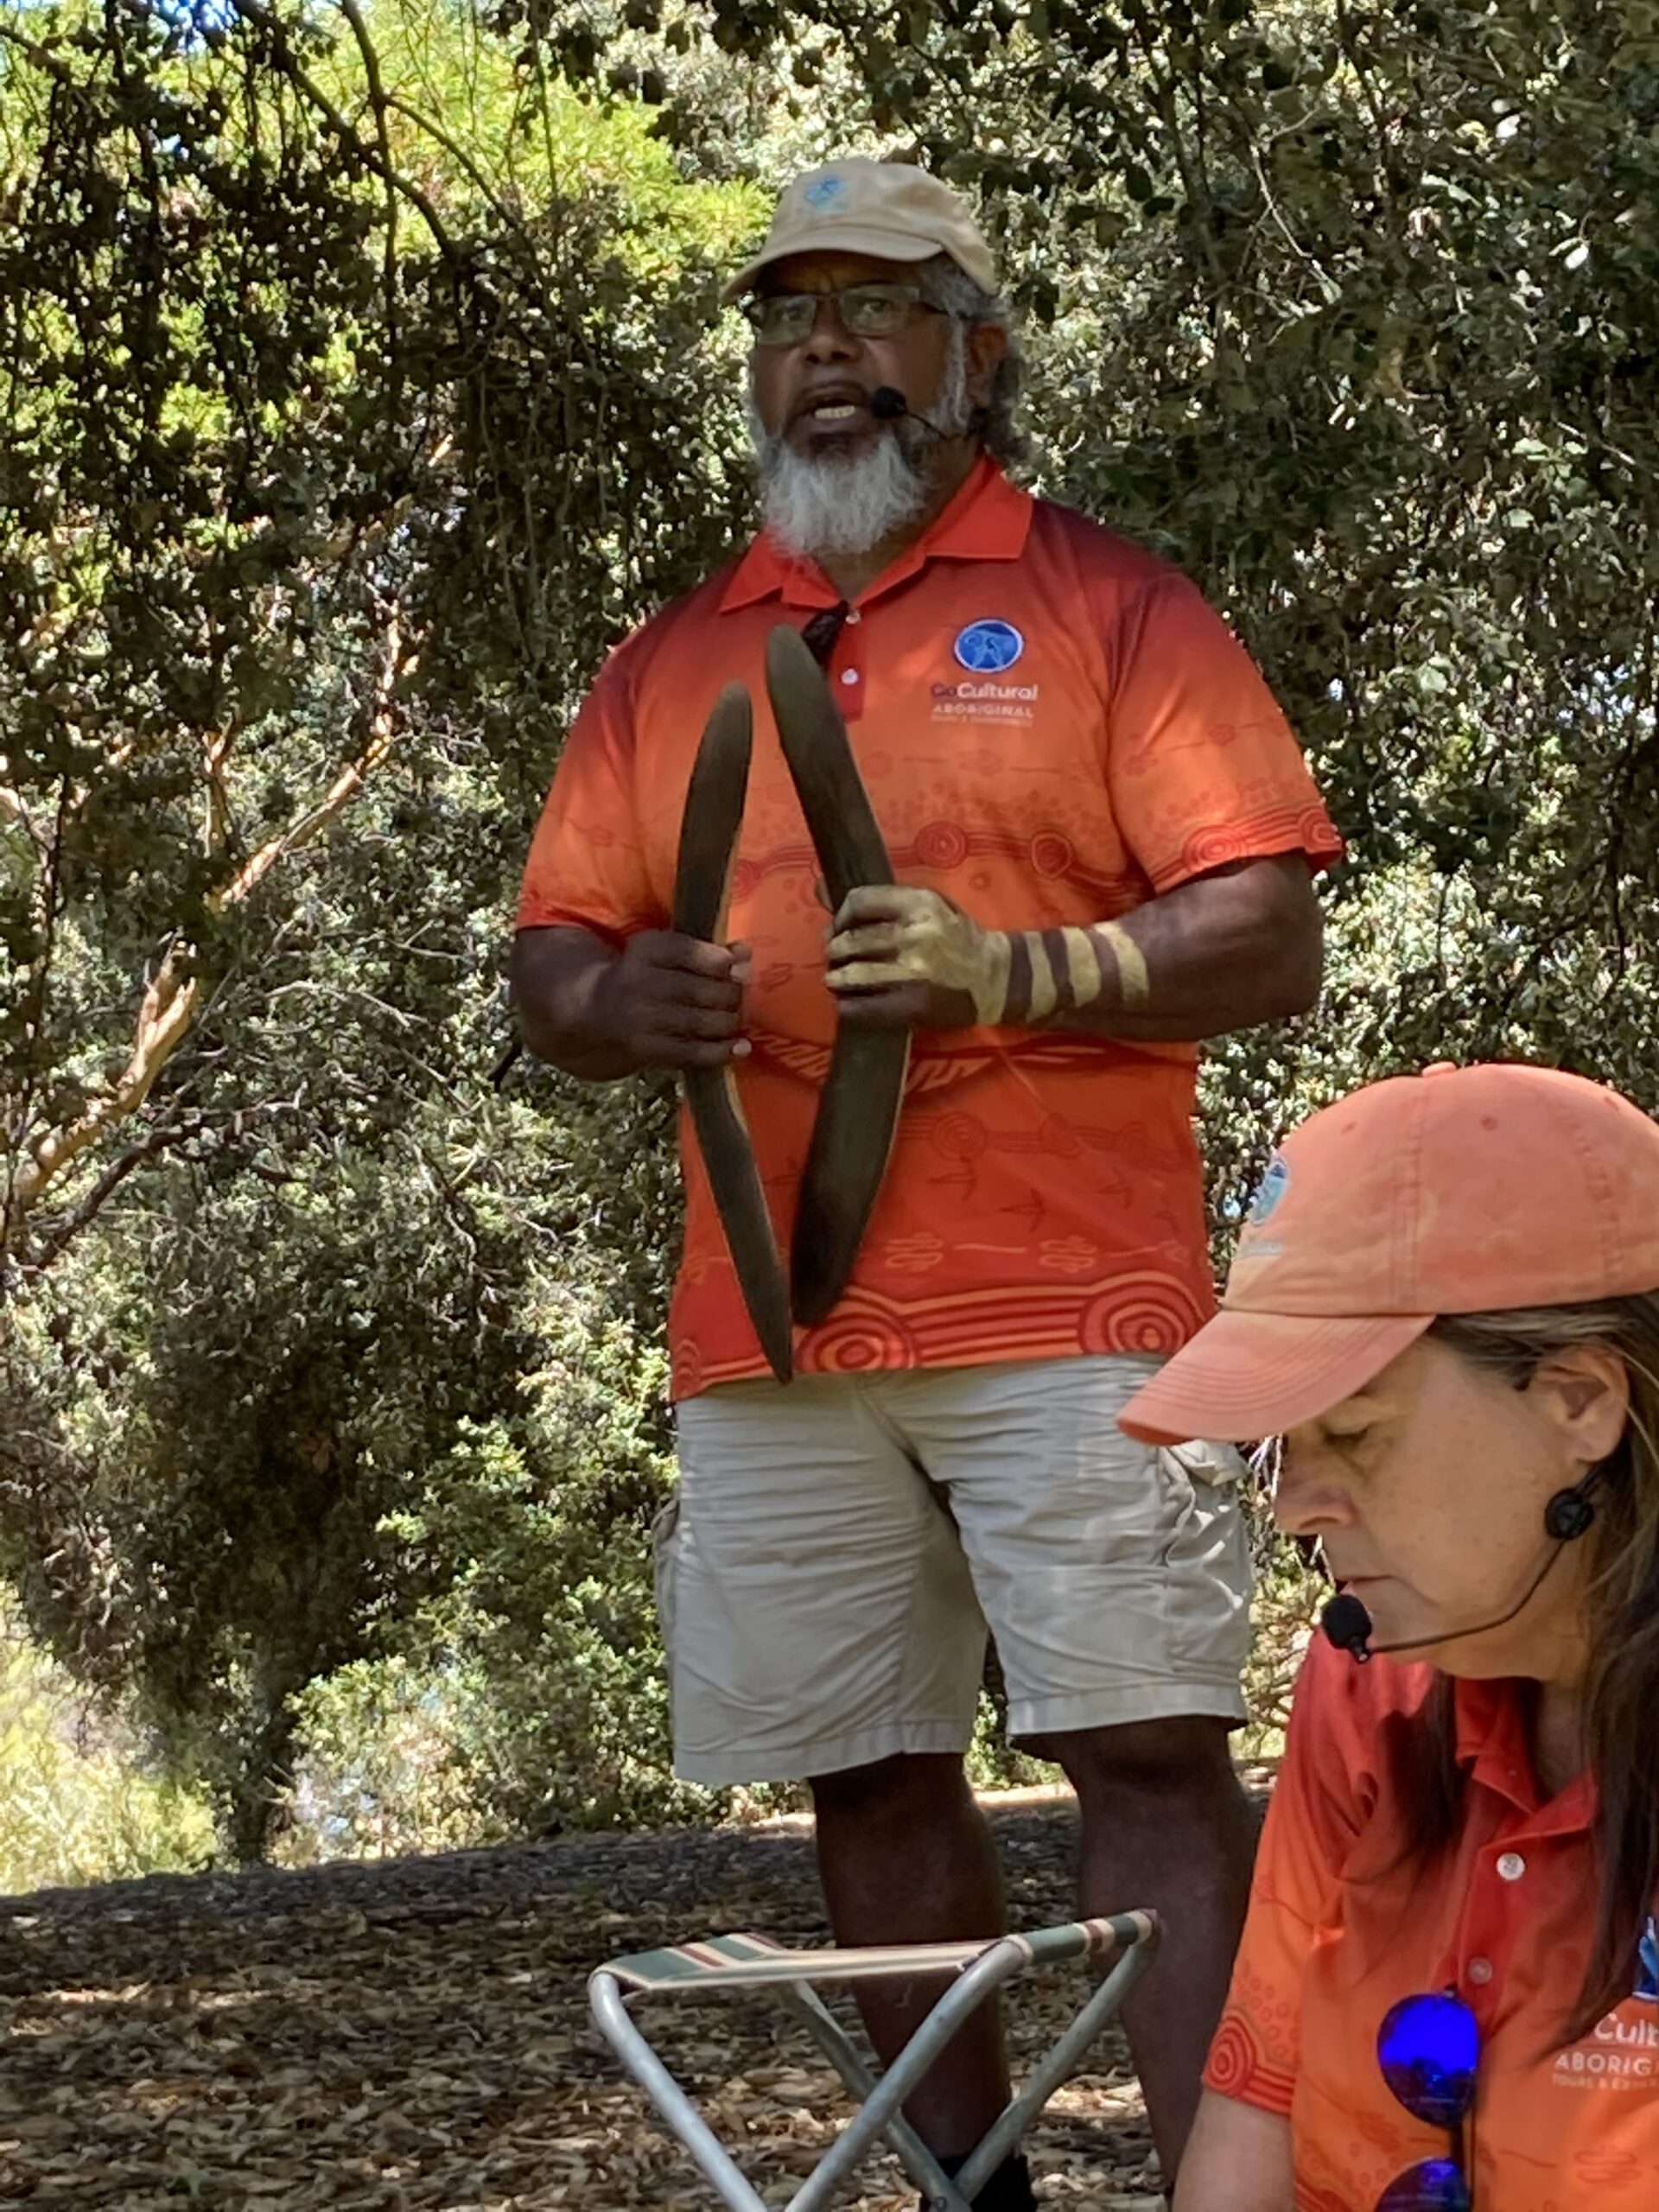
1492,1744
987,520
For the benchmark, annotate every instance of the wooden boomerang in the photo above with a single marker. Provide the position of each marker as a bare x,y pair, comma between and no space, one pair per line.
858,1110
709,831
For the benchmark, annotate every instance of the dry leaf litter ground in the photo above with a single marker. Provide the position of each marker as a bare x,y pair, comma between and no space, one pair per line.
415,2034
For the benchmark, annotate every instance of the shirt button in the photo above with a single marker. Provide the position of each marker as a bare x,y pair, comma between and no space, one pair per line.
849,676
1480,1972
852,614
1511,1866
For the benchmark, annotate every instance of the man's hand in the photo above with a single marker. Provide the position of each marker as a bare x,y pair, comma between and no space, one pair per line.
904,958
1215,953
672,1001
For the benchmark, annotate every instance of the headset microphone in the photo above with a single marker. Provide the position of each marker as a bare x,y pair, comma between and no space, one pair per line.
1348,1625
1345,1622
888,403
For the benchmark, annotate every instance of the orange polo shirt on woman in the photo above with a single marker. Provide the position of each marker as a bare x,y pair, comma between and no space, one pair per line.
1053,727
1339,1930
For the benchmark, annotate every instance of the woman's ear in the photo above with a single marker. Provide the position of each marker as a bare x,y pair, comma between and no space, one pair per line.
1584,1392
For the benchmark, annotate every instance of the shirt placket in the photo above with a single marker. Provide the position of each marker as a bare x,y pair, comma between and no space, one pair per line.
847,665
1487,1931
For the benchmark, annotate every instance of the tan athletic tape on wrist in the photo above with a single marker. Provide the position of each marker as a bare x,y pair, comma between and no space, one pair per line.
1134,984
989,986
1087,981
1066,970
1044,985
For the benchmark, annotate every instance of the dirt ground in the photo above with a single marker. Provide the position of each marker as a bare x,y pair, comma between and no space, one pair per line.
415,2033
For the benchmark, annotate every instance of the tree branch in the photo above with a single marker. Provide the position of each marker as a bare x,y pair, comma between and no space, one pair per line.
111,1181
172,997
371,157
344,787
164,1019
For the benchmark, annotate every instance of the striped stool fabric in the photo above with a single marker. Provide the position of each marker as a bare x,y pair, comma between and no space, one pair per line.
755,1960
1123,1945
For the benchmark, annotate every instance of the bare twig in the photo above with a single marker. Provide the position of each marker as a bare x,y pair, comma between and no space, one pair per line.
344,787
114,1175
172,997
373,157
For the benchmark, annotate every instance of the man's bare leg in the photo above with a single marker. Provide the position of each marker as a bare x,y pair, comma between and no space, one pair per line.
905,1857
1165,1824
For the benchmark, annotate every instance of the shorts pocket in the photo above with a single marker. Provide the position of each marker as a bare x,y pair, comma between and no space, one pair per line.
663,1549
1207,1570
1211,1466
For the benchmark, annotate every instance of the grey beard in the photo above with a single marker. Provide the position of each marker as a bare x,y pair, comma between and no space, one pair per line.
836,505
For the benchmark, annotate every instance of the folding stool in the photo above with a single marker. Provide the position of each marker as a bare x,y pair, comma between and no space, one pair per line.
1123,1945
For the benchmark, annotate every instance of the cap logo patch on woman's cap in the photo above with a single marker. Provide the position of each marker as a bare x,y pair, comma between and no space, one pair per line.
1269,1189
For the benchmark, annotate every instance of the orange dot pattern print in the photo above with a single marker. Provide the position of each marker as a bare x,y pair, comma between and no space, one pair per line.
1053,728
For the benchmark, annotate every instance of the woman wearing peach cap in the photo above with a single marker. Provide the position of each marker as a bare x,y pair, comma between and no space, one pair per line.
1447,1303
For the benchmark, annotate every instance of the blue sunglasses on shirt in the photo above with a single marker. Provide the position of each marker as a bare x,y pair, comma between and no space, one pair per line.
1428,2048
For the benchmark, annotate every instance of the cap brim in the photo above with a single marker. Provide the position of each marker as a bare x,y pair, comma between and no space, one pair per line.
837,237
1246,1376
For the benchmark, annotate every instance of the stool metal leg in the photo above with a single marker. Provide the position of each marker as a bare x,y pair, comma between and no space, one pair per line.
968,1992
713,2160
1053,2068
917,2161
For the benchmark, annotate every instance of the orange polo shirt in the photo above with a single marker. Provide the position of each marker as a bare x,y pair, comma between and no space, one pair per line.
1333,1939
1053,728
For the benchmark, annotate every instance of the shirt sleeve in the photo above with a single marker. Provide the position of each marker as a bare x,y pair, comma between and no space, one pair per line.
1203,766
1311,1822
587,864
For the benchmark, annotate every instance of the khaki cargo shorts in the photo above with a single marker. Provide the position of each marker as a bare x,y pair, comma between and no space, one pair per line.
827,1569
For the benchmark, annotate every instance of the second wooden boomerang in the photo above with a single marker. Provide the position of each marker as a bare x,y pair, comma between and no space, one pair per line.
858,1111
708,832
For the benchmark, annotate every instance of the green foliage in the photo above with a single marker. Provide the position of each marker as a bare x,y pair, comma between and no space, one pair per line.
317,581
362,383
78,1804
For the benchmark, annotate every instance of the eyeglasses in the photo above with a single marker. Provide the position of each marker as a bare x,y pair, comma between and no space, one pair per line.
1428,2048
864,311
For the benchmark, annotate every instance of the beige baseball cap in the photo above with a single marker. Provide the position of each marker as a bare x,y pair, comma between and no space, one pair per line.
890,210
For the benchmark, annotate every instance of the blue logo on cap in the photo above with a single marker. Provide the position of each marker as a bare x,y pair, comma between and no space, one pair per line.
988,648
1269,1189
1647,1968
824,191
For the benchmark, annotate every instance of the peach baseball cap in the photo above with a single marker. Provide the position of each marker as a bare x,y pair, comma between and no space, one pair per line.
890,210
1457,1190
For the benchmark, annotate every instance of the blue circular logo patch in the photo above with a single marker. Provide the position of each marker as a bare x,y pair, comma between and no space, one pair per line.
1647,1970
1269,1189
824,191
988,647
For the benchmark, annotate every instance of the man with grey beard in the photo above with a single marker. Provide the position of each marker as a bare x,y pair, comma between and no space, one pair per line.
1104,835
840,501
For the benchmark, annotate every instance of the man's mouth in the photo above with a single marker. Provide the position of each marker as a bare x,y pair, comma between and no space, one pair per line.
833,410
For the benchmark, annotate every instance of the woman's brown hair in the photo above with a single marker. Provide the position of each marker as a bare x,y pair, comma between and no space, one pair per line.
1621,1700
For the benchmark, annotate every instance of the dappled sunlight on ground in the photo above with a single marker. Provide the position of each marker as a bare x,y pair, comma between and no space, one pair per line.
415,2034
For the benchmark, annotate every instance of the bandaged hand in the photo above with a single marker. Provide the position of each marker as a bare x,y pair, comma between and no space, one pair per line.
905,958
